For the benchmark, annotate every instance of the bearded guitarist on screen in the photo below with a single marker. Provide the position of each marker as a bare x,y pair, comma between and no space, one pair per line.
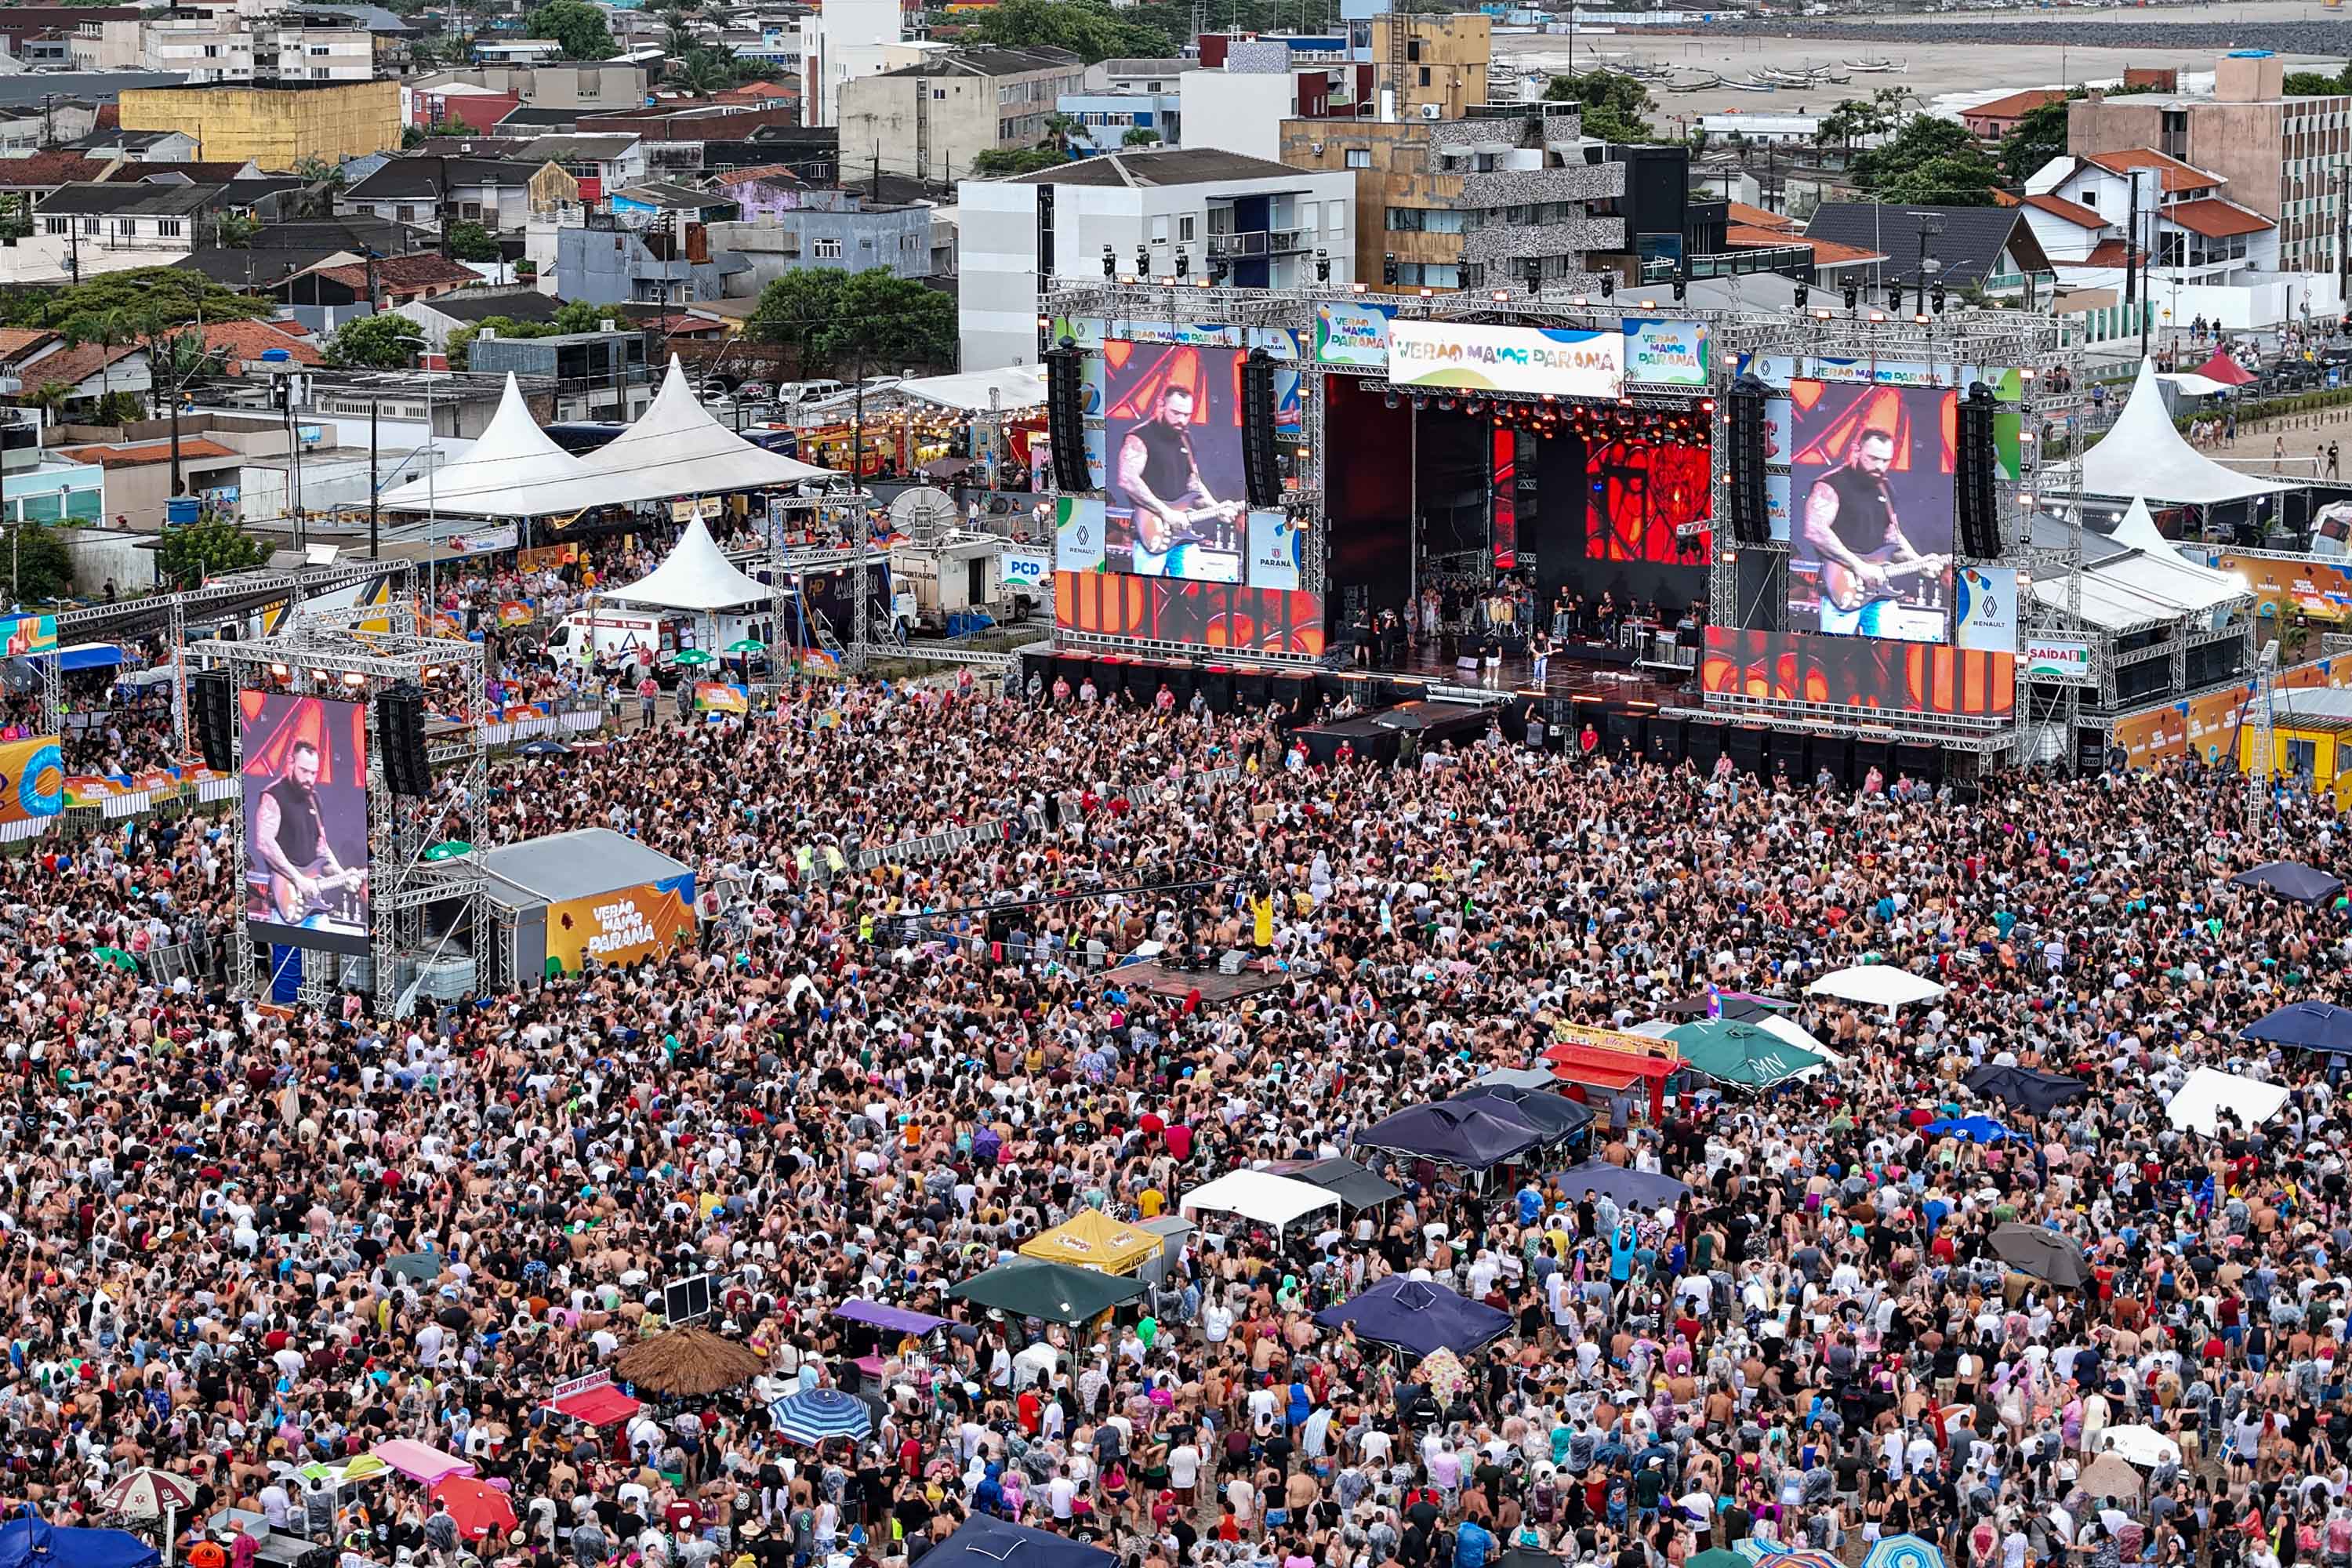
289,837
1850,524
1160,479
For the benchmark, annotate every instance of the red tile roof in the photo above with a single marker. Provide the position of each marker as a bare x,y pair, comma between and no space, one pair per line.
421,271
1826,252
2074,213
48,169
2016,106
74,365
2215,218
2106,253
2172,174
242,340
141,453
780,173
16,342
1740,213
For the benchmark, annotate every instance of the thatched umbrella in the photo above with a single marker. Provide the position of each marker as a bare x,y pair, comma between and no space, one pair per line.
688,1360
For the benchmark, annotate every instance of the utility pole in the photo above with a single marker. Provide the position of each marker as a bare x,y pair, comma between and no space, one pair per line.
2131,249
375,538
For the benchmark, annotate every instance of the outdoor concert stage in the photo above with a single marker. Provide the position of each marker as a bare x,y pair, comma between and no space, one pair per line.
1217,990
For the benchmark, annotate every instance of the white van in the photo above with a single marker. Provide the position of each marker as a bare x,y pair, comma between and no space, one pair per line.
610,633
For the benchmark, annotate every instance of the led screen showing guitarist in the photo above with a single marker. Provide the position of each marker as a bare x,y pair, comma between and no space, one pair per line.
1178,458
1858,567
306,821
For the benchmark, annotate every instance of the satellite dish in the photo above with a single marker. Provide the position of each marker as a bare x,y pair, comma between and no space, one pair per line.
924,515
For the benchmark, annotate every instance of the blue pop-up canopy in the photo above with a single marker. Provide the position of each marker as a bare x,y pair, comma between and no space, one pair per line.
1416,1316
1454,1133
983,1541
2313,1026
26,1541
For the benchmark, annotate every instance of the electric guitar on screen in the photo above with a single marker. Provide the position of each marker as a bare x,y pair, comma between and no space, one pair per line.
1201,545
1843,586
293,907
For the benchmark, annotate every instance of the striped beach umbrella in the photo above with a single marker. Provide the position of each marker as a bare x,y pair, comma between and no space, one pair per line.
148,1494
818,1415
1904,1551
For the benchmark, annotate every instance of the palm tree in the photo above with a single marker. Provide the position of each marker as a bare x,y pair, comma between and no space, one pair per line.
109,328
50,397
706,73
1059,131
678,41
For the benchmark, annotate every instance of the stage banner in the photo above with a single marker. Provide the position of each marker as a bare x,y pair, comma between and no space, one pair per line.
1984,608
1078,524
32,779
1534,360
1665,354
1274,543
2285,585
1859,672
2058,658
622,926
515,613
28,633
1353,332
481,541
547,557
719,697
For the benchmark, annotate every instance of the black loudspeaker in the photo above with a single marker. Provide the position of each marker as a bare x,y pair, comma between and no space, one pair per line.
1216,685
1751,520
400,735
1065,417
1703,743
1869,755
1833,753
1974,503
1249,691
1664,739
1296,693
1787,749
1261,457
1620,732
1919,763
1746,744
215,719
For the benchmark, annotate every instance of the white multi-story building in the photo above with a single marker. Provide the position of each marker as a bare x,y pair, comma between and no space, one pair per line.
841,39
1254,222
232,40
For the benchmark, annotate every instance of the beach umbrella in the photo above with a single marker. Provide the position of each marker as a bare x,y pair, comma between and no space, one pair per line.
147,1493
1778,1557
2038,1093
2138,1444
1975,1129
545,746
115,956
747,644
984,1541
2042,1253
690,1361
448,849
1717,1557
2308,1025
1057,1292
2291,880
816,1414
1904,1551
1537,1557
1741,1055
418,1265
1754,1548
479,1508
692,658
2111,1475
1648,1188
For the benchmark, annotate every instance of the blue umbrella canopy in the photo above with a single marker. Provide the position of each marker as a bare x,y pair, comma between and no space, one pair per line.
1904,1551
816,1414
1553,1115
983,1541
1976,1129
1648,1188
1419,1317
2309,1026
2037,1092
2291,879
1453,1135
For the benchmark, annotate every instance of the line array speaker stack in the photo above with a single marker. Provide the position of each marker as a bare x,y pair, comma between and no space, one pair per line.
215,719
1065,417
1261,459
1973,476
400,732
1751,519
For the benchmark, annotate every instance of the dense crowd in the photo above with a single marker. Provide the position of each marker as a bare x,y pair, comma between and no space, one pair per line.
1817,1345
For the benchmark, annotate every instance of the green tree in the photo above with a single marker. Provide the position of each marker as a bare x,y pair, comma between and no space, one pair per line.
235,231
1614,105
2318,84
793,309
1928,162
577,26
109,328
472,242
706,73
50,397
376,342
585,316
2039,135
991,161
837,321
1060,128
1855,119
143,294
1139,136
40,567
187,557
1088,29
119,408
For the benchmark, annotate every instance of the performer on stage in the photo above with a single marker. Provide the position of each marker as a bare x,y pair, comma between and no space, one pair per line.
1850,524
1159,478
298,875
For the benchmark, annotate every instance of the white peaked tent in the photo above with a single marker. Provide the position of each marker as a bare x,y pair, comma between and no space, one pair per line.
676,448
2207,1093
511,460
2143,455
695,577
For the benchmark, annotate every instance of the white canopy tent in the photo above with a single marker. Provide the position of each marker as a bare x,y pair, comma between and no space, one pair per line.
696,577
1277,1201
1875,986
980,391
2153,584
2143,455
674,449
511,460
2208,1092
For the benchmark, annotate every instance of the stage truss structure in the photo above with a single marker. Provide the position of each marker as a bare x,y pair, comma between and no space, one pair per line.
1964,340
841,539
339,655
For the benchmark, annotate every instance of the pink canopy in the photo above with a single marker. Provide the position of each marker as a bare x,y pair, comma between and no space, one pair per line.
420,1463
2225,370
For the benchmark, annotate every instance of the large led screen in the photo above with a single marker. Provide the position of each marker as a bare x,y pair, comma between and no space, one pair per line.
306,821
1871,493
1172,419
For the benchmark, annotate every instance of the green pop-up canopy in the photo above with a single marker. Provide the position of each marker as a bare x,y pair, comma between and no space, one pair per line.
448,849
692,658
1741,1055
1055,1291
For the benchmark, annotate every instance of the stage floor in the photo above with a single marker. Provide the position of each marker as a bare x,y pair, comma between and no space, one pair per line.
1215,989
1567,677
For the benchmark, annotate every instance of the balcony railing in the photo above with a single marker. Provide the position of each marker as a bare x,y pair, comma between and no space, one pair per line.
1261,242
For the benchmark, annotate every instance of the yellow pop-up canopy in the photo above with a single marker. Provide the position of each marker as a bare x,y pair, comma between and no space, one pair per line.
1091,1239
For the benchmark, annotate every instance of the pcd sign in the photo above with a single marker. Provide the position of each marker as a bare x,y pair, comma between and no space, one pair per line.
1025,570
